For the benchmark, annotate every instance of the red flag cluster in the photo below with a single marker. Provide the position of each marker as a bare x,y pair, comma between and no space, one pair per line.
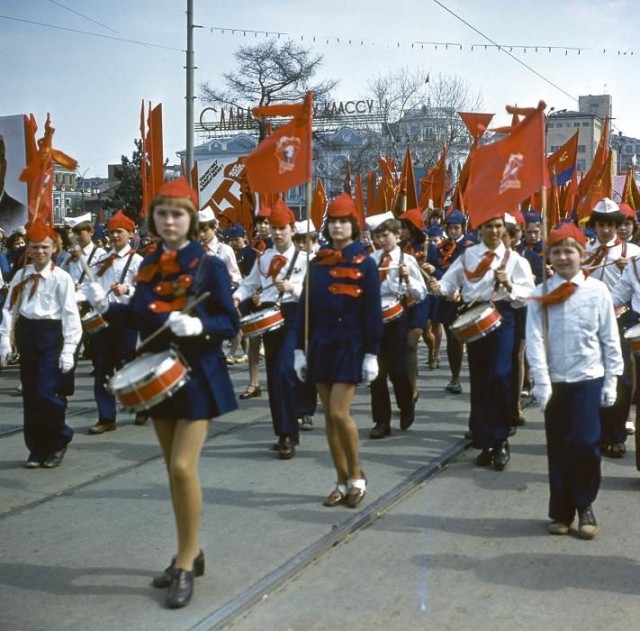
152,162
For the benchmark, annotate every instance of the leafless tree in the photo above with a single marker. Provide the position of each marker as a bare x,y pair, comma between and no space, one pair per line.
270,72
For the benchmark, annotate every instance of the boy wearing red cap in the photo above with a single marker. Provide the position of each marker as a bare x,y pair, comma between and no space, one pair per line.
276,280
42,316
113,347
489,273
574,366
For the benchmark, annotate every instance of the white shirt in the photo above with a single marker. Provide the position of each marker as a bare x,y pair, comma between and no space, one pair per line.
391,288
54,300
258,279
607,271
74,266
517,268
627,289
224,252
113,274
583,341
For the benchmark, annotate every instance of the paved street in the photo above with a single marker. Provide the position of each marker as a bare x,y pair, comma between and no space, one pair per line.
436,544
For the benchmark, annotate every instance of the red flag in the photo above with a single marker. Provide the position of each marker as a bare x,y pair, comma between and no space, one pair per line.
570,195
39,175
155,150
509,170
599,158
601,186
408,180
434,187
627,190
144,181
476,124
319,205
562,162
283,159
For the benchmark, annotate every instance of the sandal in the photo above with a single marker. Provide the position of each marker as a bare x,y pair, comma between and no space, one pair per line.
251,392
337,496
357,487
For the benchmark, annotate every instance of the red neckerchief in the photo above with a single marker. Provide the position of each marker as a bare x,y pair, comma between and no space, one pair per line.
559,294
483,266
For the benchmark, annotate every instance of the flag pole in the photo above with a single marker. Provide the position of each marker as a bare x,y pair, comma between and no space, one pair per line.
309,96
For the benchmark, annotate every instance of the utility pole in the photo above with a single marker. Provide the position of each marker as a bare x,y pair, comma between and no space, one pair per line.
190,91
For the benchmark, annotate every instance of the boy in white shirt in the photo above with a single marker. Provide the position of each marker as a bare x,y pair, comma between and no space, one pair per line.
574,365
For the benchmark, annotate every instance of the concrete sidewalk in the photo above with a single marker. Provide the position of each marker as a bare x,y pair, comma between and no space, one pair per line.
79,544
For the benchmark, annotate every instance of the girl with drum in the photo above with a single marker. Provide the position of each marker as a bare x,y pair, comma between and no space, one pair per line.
275,285
178,268
489,273
344,323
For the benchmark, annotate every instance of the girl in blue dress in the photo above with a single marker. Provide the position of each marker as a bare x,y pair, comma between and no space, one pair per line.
178,268
344,321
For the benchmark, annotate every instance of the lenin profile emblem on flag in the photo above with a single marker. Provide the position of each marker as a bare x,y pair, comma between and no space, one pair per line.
286,152
510,173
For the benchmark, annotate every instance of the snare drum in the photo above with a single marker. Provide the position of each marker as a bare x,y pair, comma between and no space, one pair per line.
93,322
149,380
476,323
392,312
256,324
633,336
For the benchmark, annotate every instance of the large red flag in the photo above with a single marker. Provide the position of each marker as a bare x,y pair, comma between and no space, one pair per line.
408,180
509,170
318,205
601,186
39,175
434,186
155,150
283,159
562,162
627,190
599,158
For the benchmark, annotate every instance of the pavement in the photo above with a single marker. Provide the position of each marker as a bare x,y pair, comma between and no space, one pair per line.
437,543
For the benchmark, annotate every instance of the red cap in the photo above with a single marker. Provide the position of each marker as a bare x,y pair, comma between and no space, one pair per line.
281,215
342,206
413,216
518,216
179,188
265,211
120,220
567,231
627,211
37,231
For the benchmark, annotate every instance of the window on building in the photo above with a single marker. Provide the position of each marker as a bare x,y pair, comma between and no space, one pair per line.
576,124
585,123
582,148
567,124
581,164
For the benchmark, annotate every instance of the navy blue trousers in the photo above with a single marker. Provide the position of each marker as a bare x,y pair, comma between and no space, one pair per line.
281,377
392,363
111,349
39,343
490,371
572,425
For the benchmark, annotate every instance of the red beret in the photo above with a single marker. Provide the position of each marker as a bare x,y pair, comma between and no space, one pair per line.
281,215
627,211
120,220
37,231
567,231
342,206
179,188
413,216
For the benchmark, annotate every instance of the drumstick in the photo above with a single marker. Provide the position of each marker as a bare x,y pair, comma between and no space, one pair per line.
590,268
165,326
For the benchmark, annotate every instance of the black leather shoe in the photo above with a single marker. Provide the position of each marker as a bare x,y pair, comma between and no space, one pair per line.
55,459
102,426
407,417
380,430
286,450
181,589
251,392
164,579
484,458
501,455
294,438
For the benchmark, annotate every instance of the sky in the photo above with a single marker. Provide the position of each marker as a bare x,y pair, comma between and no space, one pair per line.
93,84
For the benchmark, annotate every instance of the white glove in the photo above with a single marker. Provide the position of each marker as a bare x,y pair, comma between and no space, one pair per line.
369,368
542,394
66,361
609,392
97,297
300,364
184,325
